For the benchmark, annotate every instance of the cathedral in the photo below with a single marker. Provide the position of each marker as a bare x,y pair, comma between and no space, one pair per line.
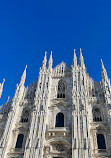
65,114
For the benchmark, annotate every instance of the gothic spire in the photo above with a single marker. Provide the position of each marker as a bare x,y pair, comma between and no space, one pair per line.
20,87
81,59
102,66
1,87
74,59
103,71
50,61
22,81
45,60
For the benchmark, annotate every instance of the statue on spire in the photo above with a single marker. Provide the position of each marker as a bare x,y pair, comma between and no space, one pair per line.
75,59
81,59
50,61
1,87
45,60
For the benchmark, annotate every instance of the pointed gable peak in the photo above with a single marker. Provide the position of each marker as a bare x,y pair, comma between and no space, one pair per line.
62,70
63,66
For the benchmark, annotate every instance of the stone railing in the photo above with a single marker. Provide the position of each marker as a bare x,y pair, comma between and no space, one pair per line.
58,132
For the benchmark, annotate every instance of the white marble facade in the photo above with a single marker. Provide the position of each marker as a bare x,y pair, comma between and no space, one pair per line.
65,114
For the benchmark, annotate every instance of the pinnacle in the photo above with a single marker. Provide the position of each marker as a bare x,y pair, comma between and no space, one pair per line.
23,76
81,56
26,67
74,52
102,65
45,60
50,61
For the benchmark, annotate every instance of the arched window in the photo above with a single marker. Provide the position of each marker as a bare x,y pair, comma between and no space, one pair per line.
19,141
59,120
25,116
61,90
97,115
101,141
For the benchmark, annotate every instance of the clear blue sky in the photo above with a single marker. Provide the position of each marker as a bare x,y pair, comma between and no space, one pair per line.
29,28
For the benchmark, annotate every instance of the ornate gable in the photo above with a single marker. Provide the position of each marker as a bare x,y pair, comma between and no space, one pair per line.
61,70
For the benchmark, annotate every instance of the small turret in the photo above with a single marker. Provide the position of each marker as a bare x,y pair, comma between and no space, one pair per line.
75,59
50,61
1,87
44,61
81,59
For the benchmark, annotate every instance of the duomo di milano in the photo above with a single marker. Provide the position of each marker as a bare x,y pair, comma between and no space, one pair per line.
65,114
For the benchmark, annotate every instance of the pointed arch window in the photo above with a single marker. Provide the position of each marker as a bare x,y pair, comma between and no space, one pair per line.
101,141
97,116
61,90
19,141
25,116
59,120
